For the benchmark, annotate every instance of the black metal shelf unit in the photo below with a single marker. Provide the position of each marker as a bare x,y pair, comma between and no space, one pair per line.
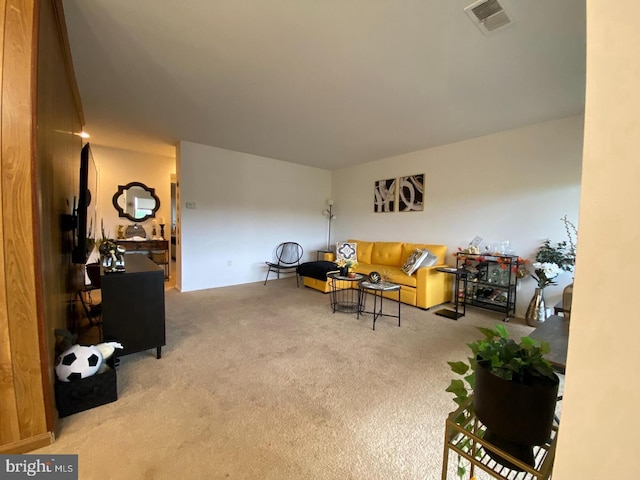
492,281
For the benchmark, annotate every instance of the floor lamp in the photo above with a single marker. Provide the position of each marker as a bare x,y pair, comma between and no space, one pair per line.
329,214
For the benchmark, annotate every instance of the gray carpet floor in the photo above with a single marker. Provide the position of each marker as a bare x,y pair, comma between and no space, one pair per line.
265,382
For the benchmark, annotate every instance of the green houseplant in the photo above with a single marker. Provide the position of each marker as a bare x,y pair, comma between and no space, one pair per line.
514,391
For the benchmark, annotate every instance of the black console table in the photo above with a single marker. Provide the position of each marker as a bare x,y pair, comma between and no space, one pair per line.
461,275
133,306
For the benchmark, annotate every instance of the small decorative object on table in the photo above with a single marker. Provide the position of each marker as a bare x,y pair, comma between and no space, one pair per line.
537,309
345,266
112,256
162,224
544,273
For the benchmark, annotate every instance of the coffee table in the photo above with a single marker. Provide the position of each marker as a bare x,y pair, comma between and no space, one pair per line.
344,296
377,290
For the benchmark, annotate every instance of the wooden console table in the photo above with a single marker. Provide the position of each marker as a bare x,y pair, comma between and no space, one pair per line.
133,306
555,331
157,251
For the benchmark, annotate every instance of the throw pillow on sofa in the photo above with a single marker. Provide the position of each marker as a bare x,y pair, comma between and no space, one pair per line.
419,258
346,251
413,261
430,260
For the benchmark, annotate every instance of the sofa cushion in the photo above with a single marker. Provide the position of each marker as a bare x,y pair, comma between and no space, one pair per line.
346,251
414,261
439,251
364,250
429,260
389,273
407,250
387,253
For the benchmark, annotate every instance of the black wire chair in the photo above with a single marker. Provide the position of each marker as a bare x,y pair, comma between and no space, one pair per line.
288,257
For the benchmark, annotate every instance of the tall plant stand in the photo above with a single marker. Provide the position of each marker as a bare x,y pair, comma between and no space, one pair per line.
463,437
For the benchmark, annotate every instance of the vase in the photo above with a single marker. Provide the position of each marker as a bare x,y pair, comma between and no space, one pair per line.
344,271
537,309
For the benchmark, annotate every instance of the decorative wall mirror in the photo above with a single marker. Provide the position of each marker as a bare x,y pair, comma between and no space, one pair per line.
136,201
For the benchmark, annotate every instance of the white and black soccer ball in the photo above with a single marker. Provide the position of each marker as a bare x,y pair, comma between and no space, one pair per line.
77,362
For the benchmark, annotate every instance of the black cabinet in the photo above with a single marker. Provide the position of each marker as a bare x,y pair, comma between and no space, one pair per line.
133,306
492,281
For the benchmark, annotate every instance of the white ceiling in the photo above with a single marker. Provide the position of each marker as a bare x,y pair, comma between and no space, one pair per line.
325,83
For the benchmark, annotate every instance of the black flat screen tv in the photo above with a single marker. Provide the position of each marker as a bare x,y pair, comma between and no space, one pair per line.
86,207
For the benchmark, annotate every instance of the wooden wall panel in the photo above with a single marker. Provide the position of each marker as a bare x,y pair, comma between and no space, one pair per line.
58,167
38,176
9,428
18,76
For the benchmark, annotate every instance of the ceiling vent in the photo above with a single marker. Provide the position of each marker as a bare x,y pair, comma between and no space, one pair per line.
488,15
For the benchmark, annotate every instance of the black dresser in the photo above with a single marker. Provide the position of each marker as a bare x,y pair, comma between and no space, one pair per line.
133,306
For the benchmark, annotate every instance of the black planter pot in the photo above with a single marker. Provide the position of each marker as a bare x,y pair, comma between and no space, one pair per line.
518,417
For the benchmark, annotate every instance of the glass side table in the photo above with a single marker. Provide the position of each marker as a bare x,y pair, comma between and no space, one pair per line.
345,294
377,290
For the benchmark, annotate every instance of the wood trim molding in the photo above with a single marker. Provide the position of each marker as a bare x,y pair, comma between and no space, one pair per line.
28,444
58,11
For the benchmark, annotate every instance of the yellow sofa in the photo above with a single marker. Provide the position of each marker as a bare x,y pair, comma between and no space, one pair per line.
425,288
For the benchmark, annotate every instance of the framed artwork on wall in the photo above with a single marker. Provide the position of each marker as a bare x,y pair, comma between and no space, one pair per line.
411,193
384,195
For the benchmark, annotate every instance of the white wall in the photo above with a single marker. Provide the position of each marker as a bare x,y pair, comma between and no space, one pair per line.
245,206
514,185
119,167
598,430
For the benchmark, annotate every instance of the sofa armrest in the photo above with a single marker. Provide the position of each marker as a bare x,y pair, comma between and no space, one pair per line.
433,287
329,257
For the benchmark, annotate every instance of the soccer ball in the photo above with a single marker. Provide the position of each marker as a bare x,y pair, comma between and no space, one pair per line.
77,362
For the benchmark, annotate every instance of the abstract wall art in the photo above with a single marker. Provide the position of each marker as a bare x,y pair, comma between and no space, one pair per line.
411,193
384,195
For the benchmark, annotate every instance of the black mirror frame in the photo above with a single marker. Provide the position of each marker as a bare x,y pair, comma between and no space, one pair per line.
122,188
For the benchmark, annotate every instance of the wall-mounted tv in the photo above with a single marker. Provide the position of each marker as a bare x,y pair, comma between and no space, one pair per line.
86,209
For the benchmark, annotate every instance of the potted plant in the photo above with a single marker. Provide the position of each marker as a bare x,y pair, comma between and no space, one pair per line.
514,391
345,266
550,261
